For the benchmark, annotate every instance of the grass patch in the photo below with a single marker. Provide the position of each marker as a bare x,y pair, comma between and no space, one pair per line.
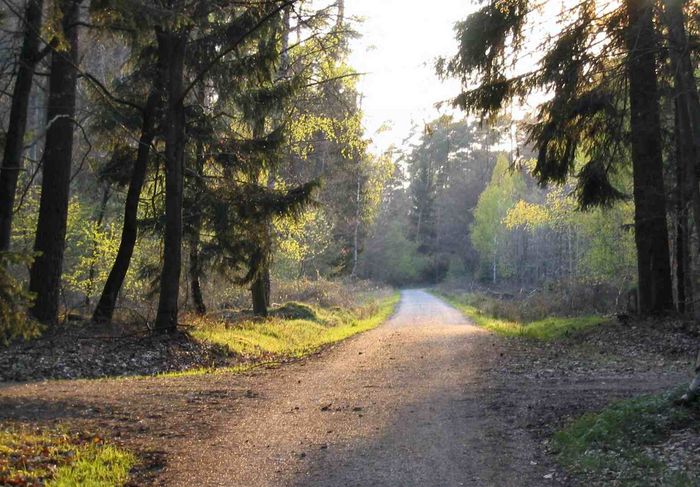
617,445
545,329
279,338
59,459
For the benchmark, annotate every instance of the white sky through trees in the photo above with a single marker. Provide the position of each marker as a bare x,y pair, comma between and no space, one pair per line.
399,44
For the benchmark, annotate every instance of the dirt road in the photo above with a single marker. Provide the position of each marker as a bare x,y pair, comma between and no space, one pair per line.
426,399
403,405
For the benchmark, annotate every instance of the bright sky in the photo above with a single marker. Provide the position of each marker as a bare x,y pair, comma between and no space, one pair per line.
401,39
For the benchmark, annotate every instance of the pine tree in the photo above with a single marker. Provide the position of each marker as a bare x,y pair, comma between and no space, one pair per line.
598,87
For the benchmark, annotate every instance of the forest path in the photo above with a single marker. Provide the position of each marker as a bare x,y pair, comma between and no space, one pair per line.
402,405
427,399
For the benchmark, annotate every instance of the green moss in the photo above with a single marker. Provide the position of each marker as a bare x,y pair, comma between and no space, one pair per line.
547,329
59,459
279,338
613,445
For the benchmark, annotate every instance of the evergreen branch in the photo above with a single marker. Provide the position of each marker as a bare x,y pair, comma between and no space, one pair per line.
233,46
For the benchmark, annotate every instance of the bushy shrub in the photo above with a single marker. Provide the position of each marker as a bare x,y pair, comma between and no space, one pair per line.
14,300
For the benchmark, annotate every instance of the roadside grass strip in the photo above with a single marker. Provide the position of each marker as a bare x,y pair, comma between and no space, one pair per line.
57,458
630,443
279,337
546,329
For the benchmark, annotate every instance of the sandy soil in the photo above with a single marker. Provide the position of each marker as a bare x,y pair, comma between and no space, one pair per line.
425,400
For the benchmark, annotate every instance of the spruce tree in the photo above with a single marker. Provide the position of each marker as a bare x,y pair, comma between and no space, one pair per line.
599,68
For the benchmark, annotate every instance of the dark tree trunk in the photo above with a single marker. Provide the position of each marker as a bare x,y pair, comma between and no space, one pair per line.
682,255
688,128
260,288
45,275
687,122
195,275
172,48
260,292
195,232
686,90
14,143
108,300
651,233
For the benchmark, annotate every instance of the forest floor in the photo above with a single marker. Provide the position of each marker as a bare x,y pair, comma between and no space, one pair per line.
426,399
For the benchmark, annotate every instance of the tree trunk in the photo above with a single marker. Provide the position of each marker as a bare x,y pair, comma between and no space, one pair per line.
195,266
45,274
260,292
688,130
195,231
172,48
687,121
356,230
682,248
686,89
14,142
687,197
260,288
651,233
108,300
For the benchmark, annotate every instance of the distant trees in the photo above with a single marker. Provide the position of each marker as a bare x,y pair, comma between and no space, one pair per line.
422,231
488,233
599,68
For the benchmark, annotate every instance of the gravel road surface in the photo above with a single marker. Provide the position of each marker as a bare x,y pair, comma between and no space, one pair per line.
402,405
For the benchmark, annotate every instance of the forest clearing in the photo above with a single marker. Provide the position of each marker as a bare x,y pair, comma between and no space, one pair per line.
349,242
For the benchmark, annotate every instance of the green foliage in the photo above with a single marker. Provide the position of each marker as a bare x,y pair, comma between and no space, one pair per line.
91,247
301,242
615,445
14,300
488,235
393,258
605,249
58,459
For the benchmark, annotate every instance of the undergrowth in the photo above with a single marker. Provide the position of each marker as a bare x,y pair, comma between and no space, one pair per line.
549,328
294,330
624,444
59,459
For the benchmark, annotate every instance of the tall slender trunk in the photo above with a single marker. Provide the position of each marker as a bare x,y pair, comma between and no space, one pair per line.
195,274
260,287
494,263
172,48
104,310
195,232
687,199
651,233
356,230
688,128
686,89
14,141
45,274
687,107
683,283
